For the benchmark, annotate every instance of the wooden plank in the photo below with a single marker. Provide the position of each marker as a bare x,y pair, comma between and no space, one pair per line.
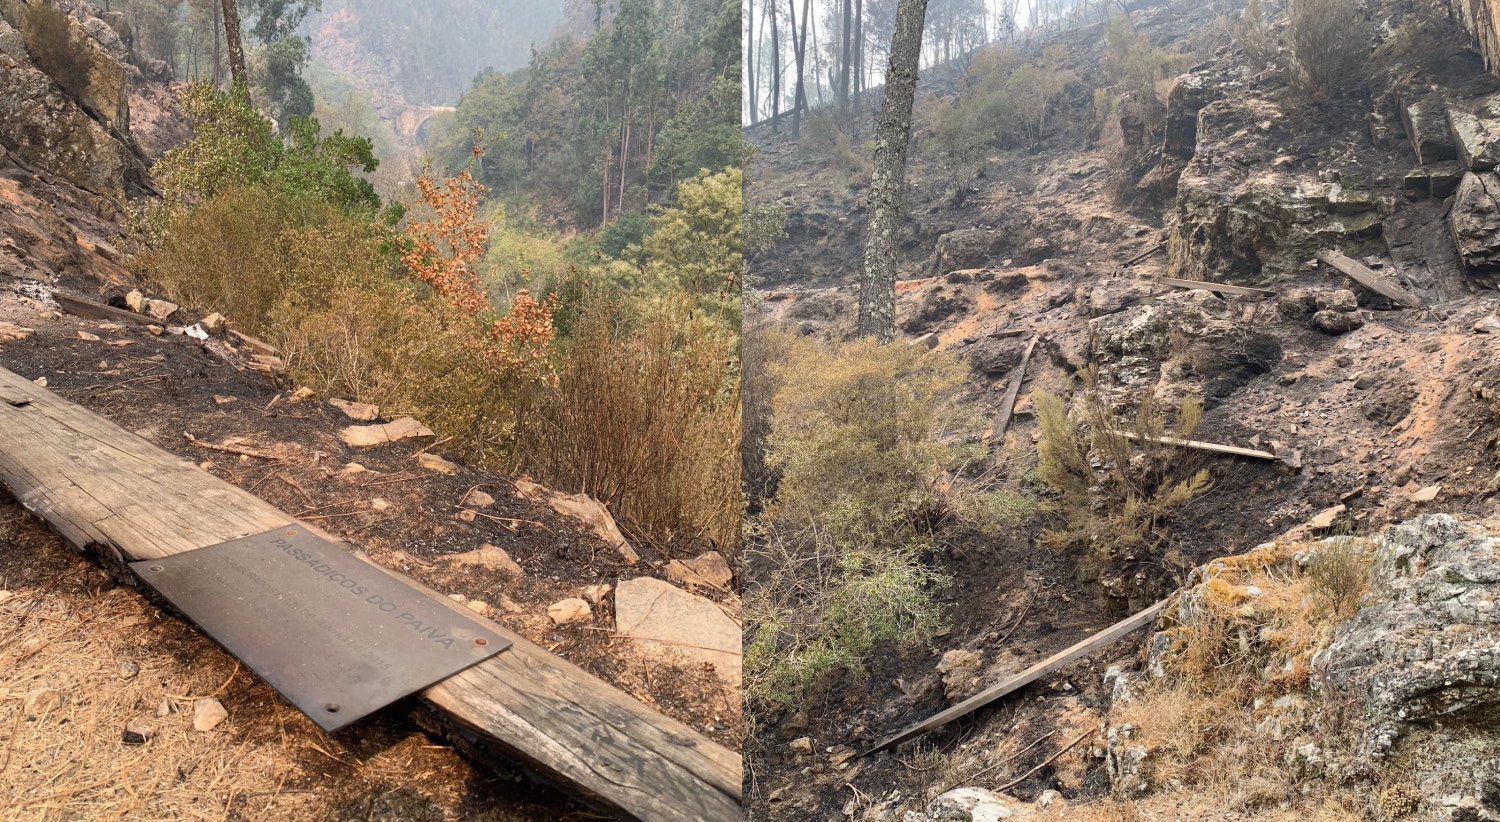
1218,288
1143,255
101,486
90,310
1104,638
1008,402
1204,446
1367,277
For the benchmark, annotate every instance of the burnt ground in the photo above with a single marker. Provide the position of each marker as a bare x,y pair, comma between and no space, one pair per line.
405,517
1373,415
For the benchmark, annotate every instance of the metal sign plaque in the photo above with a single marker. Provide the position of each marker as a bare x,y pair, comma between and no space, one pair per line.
336,636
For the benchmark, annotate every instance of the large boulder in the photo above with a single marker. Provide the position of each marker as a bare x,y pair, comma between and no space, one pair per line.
42,127
967,248
1426,646
1475,221
85,59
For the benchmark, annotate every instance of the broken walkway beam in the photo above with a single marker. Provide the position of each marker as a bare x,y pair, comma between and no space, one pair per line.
1211,447
1218,288
1104,638
1008,404
107,490
1366,276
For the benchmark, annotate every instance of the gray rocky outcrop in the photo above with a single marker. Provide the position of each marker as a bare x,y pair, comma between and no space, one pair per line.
1475,221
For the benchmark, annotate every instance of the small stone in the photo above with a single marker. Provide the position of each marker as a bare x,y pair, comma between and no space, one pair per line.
361,436
220,399
84,335
478,606
128,669
433,462
596,593
303,393
156,330
207,714
1325,519
488,556
206,464
357,411
465,515
135,301
509,605
1331,321
1050,798
136,735
478,499
460,598
41,701
11,331
1343,361
1488,325
379,504
354,468
212,321
163,708
1427,494
801,746
42,381
568,610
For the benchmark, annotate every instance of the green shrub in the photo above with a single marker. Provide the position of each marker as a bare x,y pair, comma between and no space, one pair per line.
838,552
1114,488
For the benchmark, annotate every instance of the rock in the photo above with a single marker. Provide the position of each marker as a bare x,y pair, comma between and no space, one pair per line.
928,341
1126,763
488,556
477,499
357,411
959,669
303,393
42,381
87,337
207,714
354,468
213,322
160,309
509,605
1425,646
1474,221
801,746
360,436
1339,299
996,357
220,399
1477,140
1325,520
967,248
433,462
1488,325
937,304
163,708
379,504
1006,283
976,805
1050,798
136,735
569,610
478,606
156,330
660,614
10,332
1427,494
127,669
1425,120
41,701
595,594
1118,295
708,569
586,510
1337,322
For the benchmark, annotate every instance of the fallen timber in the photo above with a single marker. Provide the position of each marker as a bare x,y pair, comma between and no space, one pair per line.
112,493
1103,639
1008,403
1211,447
1366,276
1218,288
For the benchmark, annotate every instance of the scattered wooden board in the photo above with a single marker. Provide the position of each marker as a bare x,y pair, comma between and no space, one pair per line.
1367,277
1143,255
106,489
1102,639
1205,446
90,310
1218,288
1008,403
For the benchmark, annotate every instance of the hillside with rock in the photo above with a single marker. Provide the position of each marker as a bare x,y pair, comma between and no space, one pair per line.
1350,356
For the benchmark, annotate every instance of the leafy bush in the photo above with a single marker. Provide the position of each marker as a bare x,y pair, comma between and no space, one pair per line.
1330,40
838,551
765,225
1116,488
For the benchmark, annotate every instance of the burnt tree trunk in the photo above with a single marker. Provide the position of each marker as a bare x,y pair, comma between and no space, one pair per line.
799,43
877,290
236,49
775,70
847,34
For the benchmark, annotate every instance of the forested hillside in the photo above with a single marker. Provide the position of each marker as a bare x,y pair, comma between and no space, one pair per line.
592,132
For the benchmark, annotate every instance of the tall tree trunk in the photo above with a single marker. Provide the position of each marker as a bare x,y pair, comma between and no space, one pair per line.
799,100
848,41
750,63
877,289
775,70
859,52
218,64
817,62
236,50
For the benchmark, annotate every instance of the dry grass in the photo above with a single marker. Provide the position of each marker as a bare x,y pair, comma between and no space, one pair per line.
69,627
